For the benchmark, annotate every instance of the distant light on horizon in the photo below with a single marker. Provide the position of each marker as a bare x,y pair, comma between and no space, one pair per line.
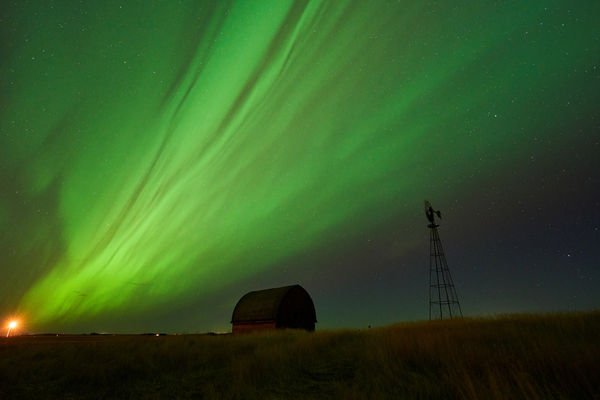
12,325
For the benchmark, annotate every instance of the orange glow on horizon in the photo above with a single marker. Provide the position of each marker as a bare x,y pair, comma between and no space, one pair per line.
11,326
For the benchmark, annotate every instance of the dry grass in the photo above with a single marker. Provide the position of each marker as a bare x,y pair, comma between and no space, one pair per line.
552,356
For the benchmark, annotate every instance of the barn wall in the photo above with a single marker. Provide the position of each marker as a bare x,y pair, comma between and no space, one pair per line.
296,311
247,327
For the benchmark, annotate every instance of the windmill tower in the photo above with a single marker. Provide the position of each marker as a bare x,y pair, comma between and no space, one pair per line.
443,300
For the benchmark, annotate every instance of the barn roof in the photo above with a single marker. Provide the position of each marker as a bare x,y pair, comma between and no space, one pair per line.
262,305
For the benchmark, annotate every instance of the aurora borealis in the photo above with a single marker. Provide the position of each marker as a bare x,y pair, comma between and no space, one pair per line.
159,159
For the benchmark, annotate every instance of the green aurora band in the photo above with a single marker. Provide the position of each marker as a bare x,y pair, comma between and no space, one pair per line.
159,152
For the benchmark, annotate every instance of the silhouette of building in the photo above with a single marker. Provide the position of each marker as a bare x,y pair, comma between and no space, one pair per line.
278,308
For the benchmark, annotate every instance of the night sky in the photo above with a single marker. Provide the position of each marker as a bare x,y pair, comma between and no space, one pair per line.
159,159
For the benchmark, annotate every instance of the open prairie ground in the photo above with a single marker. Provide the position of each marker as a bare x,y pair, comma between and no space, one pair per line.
550,356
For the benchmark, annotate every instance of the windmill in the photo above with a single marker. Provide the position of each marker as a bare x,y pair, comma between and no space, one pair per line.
443,300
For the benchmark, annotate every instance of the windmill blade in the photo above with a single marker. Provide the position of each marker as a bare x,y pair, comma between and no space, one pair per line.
427,205
429,211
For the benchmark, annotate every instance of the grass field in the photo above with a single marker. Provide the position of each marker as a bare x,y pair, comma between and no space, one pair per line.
553,356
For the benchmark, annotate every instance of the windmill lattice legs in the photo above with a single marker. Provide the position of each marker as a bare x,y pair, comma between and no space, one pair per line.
443,300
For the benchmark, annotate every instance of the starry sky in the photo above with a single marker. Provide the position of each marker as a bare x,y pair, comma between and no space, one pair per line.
159,159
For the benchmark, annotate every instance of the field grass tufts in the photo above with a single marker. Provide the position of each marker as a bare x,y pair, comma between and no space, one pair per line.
551,356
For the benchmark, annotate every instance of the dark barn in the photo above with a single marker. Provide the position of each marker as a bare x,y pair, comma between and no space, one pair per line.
277,308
